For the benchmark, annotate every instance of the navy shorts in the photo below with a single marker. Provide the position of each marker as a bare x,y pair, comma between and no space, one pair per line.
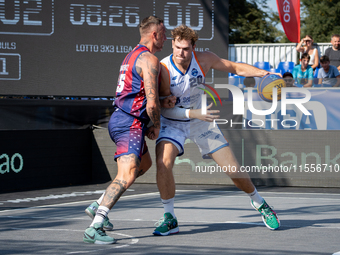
128,133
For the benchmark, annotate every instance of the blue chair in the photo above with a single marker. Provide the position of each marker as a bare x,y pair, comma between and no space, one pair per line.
262,65
315,78
316,72
274,70
285,71
242,79
287,66
234,80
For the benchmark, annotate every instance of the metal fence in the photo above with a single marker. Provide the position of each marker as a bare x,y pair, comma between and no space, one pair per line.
274,53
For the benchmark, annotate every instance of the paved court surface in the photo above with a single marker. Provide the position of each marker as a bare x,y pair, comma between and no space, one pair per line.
212,220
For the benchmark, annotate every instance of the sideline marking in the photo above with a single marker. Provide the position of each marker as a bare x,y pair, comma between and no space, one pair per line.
78,202
76,194
262,192
67,195
316,226
184,191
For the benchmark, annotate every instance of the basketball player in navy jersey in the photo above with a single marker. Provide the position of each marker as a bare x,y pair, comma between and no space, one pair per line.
137,102
187,70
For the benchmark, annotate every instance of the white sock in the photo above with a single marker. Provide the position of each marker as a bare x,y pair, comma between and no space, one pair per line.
100,199
168,205
100,215
257,199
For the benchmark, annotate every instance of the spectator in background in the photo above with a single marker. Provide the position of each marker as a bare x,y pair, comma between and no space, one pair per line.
306,46
333,53
303,73
289,79
328,75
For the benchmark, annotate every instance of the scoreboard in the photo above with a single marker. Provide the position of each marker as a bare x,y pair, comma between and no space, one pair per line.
75,47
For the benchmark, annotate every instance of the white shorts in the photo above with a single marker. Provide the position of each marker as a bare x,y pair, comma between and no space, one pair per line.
207,137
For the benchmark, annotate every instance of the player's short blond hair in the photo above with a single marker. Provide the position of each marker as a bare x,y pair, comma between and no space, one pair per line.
184,32
147,23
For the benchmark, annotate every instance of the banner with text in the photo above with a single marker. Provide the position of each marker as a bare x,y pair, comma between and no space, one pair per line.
289,12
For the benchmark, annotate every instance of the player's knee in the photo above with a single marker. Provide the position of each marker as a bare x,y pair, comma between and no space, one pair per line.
166,153
231,174
130,178
237,176
127,175
164,164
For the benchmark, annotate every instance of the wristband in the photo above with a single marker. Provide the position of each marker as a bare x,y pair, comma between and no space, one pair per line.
174,113
187,113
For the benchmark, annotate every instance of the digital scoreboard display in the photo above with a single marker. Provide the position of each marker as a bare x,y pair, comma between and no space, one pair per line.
75,47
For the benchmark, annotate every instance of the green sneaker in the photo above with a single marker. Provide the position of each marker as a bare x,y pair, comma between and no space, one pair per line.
97,235
166,225
269,216
91,212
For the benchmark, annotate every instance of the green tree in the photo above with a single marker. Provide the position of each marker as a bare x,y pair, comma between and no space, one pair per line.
321,19
249,24
275,20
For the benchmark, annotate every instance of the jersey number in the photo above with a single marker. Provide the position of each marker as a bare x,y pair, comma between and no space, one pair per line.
121,83
195,81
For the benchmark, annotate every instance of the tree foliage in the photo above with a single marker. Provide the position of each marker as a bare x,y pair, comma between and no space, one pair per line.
321,19
251,21
249,24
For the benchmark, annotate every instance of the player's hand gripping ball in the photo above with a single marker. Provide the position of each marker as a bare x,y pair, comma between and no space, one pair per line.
266,85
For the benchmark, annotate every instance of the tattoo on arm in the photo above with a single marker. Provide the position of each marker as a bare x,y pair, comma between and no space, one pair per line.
139,64
151,94
151,90
154,70
151,86
154,115
139,70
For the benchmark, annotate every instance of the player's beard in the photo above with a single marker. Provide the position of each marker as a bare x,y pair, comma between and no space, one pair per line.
159,46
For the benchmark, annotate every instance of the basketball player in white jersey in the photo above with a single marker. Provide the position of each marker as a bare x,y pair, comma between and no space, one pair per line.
187,70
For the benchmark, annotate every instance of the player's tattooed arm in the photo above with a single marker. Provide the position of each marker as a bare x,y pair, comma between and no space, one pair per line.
166,99
151,92
148,66
138,69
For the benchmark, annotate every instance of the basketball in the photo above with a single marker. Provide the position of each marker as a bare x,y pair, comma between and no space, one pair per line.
266,85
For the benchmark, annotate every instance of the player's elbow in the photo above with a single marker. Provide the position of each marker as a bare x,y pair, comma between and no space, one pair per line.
151,105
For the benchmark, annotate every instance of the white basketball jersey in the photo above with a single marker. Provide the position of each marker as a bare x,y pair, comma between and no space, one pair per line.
186,87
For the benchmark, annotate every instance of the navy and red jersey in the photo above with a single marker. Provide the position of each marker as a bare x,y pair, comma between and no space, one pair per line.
130,93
